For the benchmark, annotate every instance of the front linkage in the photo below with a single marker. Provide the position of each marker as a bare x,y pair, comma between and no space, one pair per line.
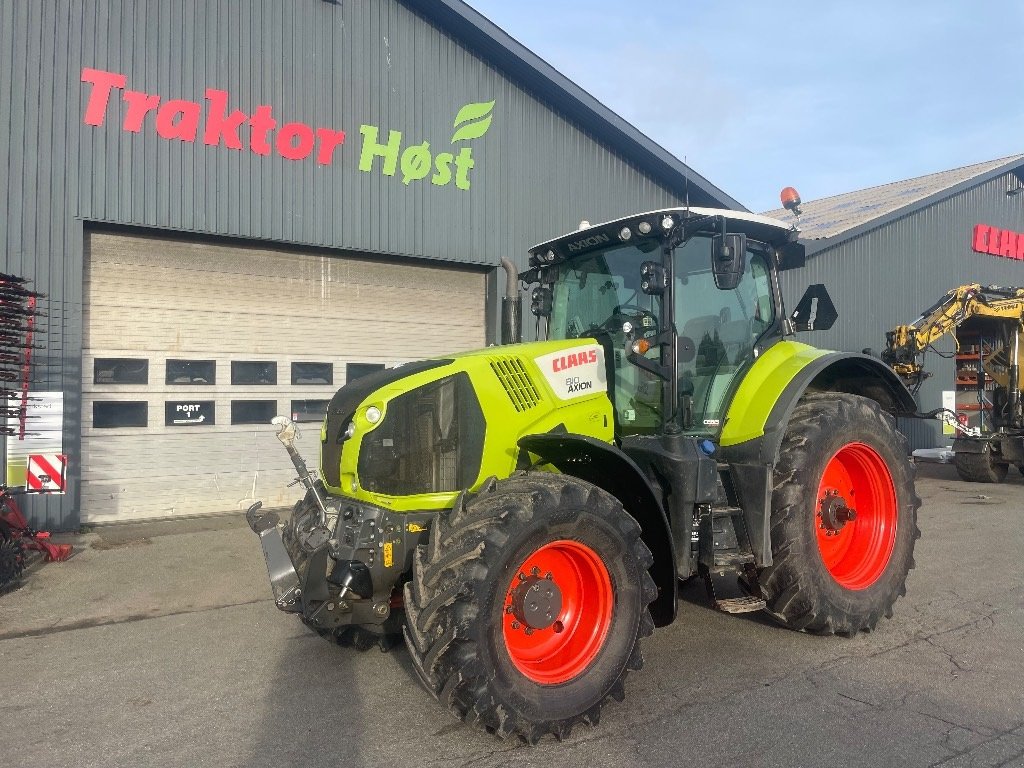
338,562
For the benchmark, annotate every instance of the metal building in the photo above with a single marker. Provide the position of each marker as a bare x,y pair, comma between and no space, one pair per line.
888,253
237,205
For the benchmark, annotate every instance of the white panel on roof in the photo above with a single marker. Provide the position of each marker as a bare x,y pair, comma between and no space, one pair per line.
150,300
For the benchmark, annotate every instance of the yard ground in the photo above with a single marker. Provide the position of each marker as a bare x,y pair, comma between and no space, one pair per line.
159,645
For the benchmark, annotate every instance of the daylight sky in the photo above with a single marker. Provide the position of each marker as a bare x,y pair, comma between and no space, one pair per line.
828,97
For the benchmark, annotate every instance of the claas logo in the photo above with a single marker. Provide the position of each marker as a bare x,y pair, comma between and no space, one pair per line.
573,359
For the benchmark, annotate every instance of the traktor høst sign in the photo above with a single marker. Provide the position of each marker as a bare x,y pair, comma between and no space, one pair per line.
216,124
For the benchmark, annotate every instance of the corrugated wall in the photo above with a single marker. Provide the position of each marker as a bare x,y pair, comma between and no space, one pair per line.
337,65
890,275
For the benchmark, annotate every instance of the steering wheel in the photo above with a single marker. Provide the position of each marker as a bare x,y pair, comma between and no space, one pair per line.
644,321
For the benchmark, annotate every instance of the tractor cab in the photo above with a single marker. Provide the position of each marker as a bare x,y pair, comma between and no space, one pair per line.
682,300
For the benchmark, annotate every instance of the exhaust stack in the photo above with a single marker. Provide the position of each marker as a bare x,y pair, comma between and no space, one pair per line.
511,305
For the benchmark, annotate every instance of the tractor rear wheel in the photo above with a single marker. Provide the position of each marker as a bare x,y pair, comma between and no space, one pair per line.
980,467
844,517
527,605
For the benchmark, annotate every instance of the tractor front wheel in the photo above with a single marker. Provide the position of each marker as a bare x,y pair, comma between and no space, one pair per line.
844,517
527,605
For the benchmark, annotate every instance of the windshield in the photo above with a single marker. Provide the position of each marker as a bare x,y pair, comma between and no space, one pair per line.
718,329
594,295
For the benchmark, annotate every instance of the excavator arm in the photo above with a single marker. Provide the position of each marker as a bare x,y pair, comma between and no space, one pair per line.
906,343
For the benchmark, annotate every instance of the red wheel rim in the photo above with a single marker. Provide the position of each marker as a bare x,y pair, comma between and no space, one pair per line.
562,651
857,554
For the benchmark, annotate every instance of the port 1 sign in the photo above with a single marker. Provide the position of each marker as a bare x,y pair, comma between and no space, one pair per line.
189,413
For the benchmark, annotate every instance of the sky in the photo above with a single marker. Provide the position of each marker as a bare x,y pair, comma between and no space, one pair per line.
827,97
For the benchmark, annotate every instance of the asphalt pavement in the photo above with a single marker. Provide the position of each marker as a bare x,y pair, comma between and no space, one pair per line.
158,645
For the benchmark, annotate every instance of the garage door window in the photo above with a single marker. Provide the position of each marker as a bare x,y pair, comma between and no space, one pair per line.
309,410
120,370
112,414
355,370
253,411
258,372
312,373
191,371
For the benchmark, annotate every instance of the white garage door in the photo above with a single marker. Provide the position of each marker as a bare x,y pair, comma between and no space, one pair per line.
191,347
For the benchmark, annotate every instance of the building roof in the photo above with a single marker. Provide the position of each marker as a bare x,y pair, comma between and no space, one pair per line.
840,217
536,76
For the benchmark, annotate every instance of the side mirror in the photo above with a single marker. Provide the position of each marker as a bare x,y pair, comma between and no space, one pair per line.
728,259
815,310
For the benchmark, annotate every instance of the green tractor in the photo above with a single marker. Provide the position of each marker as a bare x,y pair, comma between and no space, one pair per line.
524,514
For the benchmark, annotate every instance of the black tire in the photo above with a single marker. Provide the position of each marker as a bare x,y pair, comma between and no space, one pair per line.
802,592
456,611
12,561
980,467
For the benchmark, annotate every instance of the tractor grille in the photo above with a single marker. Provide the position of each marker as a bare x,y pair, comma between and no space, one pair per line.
431,440
512,374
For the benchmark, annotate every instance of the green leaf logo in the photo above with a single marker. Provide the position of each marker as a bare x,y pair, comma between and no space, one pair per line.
472,121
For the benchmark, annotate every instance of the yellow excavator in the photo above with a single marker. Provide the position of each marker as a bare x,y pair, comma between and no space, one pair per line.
995,313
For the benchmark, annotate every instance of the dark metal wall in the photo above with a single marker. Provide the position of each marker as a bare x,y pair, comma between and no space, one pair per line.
338,65
890,275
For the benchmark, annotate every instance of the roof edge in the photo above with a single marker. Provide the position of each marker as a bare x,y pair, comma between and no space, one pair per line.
562,95
816,245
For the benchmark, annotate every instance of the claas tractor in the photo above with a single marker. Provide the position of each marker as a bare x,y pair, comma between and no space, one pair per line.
524,514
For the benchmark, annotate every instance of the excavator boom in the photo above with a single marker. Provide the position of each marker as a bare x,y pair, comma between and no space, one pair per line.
905,344
982,454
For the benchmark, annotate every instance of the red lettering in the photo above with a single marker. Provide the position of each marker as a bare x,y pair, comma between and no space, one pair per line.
593,356
980,241
262,124
286,145
329,141
219,124
1008,244
1019,255
99,96
178,119
555,364
139,105
993,241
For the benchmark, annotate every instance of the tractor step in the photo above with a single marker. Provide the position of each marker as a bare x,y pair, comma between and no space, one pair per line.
747,604
726,559
718,512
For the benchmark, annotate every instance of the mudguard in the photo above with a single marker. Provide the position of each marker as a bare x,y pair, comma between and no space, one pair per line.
765,399
762,407
607,467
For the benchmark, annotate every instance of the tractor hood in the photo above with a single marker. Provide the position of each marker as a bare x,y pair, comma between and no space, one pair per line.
414,436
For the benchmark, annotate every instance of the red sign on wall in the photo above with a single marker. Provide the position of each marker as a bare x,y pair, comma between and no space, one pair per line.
998,242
